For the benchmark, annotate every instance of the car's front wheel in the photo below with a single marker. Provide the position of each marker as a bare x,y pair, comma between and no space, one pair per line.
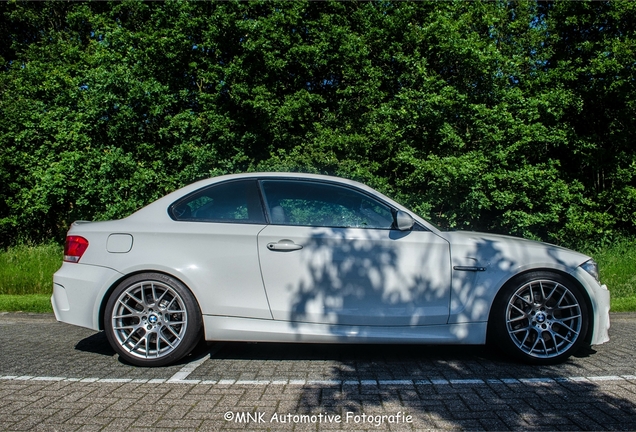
540,318
152,319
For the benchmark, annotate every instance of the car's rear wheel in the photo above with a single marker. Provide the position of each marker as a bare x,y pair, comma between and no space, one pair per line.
152,319
540,318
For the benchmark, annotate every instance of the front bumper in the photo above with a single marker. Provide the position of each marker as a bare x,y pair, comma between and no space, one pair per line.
601,318
600,299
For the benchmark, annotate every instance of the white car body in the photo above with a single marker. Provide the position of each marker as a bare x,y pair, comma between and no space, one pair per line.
346,284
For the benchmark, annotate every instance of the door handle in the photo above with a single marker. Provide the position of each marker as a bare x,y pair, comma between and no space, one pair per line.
284,246
469,268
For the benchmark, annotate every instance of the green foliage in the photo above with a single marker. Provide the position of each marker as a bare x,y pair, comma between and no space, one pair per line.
515,117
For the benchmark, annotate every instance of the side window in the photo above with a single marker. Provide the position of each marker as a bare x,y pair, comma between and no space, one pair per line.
231,202
321,204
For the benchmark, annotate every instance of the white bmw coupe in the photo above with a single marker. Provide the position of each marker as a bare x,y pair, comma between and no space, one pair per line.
288,257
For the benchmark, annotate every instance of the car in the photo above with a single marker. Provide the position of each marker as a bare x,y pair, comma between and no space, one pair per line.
291,257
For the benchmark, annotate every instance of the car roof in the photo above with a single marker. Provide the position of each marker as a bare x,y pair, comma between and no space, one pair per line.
171,197
157,211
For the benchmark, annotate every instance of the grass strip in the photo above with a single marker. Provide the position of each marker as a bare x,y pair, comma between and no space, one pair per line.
29,269
39,303
617,267
623,304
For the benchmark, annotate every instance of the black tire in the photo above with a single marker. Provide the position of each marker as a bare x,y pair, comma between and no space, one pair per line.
540,318
152,319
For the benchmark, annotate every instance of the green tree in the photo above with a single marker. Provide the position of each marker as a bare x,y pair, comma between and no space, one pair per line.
512,117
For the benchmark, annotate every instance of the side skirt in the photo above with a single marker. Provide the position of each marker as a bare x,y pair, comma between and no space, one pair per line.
221,328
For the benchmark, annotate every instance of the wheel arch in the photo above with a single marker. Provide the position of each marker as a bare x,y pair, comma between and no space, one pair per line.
109,291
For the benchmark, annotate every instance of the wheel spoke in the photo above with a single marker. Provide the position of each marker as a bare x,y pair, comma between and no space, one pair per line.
569,328
534,345
552,292
161,297
543,298
134,311
545,348
523,299
568,307
176,335
171,323
137,300
521,318
520,310
132,348
561,299
531,294
564,338
523,342
125,327
556,345
167,341
154,293
142,291
570,318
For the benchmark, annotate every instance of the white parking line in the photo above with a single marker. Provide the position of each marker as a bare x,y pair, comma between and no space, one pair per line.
536,380
302,382
605,378
180,377
188,369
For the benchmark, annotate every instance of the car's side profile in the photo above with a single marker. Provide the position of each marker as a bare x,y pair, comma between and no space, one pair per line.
288,257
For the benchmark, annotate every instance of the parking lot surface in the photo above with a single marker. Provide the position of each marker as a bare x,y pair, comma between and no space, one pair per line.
58,377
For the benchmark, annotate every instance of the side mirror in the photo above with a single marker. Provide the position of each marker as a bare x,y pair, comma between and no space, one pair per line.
403,221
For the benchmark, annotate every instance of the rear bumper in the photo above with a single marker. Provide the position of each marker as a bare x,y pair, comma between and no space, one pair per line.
78,290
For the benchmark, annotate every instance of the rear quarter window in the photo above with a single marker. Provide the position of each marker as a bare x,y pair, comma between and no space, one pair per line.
232,202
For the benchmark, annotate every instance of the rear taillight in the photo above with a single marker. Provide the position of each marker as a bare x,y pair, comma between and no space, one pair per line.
74,248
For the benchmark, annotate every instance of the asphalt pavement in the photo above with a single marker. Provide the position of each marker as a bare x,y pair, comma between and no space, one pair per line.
58,377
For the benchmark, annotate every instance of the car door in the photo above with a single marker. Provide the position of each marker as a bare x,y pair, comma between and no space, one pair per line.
213,241
330,255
